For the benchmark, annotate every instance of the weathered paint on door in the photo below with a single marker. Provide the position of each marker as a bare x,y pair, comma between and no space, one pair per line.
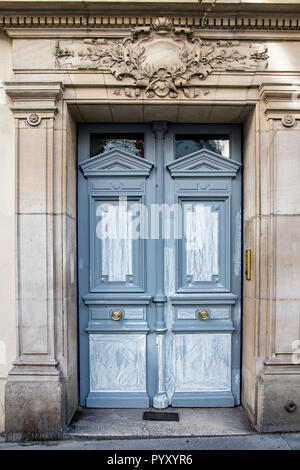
162,351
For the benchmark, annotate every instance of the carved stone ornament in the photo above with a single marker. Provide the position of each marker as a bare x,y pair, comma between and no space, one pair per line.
33,119
161,59
288,120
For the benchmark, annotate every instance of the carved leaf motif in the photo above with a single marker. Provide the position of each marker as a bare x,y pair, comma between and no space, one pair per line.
195,57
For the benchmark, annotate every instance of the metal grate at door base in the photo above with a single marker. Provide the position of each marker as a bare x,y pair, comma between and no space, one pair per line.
160,416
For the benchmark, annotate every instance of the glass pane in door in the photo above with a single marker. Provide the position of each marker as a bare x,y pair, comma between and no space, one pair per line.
189,143
132,143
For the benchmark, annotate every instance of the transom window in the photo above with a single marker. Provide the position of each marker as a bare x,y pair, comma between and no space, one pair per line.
132,143
189,143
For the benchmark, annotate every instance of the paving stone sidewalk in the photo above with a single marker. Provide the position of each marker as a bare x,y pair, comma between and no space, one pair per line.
254,441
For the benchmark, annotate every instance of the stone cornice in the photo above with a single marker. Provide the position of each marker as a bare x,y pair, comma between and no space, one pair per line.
141,6
282,101
95,21
33,90
279,92
34,97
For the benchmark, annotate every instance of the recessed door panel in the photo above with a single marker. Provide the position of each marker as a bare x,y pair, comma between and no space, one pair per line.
118,362
203,362
203,248
117,254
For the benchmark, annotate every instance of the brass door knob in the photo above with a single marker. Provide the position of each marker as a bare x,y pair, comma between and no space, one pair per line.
203,314
116,315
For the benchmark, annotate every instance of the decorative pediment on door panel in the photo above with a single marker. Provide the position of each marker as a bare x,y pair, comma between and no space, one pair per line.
116,162
203,163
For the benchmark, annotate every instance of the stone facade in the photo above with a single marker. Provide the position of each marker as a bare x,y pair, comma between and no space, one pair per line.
159,60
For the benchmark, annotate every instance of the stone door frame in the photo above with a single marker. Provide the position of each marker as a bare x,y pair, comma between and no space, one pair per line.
42,387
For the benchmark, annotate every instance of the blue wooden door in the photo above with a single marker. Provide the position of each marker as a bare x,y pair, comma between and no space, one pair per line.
159,265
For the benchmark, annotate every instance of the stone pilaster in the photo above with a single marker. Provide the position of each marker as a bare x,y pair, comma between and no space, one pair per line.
278,398
34,387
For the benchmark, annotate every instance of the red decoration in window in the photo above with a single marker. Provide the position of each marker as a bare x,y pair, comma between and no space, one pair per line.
140,147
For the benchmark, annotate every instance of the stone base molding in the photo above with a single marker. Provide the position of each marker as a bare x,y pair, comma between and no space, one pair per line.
278,401
34,406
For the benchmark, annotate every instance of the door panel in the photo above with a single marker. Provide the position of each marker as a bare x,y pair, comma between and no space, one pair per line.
116,259
202,254
118,363
113,266
212,351
204,183
143,337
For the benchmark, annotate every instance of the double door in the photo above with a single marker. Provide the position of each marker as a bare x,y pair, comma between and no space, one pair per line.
159,265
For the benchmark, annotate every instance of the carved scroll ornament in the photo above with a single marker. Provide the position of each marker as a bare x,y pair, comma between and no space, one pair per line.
162,59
